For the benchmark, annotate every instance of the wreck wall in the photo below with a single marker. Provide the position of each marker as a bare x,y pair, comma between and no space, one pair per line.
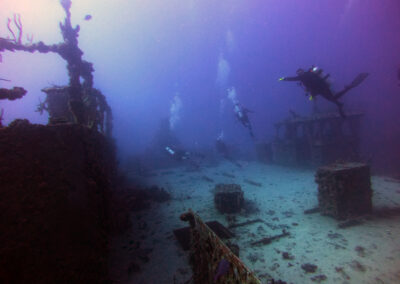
55,185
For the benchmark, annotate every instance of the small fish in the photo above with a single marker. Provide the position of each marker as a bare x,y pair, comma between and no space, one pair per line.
222,269
87,17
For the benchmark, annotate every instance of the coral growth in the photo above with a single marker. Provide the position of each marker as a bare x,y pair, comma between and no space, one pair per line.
77,68
12,94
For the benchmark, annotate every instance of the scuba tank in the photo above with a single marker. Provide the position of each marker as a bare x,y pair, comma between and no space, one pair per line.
316,70
238,111
170,151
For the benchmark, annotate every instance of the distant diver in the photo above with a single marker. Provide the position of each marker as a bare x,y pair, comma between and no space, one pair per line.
180,156
221,146
222,149
177,154
316,84
241,115
87,17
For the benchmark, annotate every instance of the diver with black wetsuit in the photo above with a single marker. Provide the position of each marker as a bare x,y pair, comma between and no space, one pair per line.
316,84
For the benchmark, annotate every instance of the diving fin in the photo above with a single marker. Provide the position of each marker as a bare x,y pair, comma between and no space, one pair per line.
358,80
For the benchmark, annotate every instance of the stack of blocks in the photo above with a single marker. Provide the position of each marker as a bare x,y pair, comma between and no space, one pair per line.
344,190
228,198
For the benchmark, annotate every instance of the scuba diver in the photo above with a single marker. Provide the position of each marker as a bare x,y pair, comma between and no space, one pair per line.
316,84
177,154
180,156
222,148
241,115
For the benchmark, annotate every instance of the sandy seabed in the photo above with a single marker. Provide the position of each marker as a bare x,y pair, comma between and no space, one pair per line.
367,253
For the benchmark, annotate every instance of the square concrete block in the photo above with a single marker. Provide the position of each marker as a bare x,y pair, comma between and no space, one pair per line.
228,198
344,190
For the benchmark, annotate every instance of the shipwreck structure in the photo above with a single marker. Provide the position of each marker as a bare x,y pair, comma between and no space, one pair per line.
96,113
61,202
78,102
10,94
208,253
316,140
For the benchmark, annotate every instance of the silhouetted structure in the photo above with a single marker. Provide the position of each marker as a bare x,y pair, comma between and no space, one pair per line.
79,96
58,184
10,94
97,113
316,140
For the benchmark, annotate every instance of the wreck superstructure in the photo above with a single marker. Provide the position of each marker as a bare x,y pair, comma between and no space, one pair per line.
316,140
